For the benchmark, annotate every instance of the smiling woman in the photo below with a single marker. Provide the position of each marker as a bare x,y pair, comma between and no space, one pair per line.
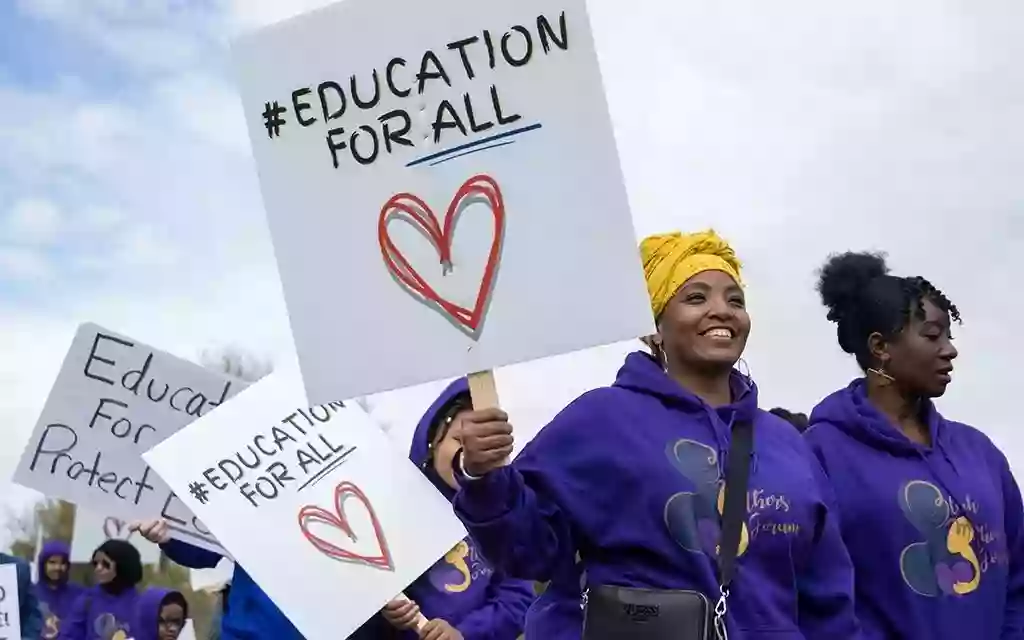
627,486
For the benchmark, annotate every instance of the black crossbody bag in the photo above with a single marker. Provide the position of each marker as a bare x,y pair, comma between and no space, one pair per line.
627,613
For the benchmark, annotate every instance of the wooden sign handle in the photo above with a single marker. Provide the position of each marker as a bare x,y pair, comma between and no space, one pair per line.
420,618
483,390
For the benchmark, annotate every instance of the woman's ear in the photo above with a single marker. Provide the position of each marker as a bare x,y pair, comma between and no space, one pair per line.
878,347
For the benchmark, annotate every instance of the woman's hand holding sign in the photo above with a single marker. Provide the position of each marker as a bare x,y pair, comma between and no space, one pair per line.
486,441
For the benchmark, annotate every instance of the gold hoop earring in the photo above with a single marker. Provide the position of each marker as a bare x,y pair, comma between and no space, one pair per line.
881,373
744,368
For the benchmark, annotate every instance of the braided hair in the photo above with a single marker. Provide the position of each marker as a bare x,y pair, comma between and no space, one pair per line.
863,298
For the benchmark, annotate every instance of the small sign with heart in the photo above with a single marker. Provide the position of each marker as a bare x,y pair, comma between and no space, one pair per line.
323,487
449,166
10,610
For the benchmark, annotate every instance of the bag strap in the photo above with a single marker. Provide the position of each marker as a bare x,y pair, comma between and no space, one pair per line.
734,511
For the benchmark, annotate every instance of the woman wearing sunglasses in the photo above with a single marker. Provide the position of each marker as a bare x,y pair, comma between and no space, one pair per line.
105,610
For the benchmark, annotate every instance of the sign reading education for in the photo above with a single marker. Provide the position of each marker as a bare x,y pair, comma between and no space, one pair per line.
451,166
92,530
10,609
321,486
114,399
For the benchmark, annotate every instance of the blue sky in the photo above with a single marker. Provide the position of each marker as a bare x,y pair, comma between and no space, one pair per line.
128,194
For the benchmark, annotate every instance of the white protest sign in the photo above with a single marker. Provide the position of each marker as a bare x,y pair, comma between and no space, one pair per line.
323,488
115,398
91,530
450,166
10,608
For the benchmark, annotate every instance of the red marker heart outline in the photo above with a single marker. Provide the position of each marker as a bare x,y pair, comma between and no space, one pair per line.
420,214
112,527
311,514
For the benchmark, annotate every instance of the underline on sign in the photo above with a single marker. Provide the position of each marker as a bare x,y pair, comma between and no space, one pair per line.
321,474
471,145
192,534
466,153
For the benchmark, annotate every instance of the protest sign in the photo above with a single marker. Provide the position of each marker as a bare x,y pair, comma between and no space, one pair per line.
451,167
92,529
324,489
115,398
10,608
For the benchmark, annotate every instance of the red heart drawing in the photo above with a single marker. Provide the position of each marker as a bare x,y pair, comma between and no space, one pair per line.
420,214
311,514
112,527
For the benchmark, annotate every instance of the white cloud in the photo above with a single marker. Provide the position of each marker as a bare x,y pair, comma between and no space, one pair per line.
33,221
207,106
23,264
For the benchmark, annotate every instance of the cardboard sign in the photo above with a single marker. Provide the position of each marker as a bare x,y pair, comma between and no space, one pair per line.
322,487
114,399
450,166
91,530
10,607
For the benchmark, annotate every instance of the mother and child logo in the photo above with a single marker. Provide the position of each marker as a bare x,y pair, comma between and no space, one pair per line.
945,563
459,567
694,518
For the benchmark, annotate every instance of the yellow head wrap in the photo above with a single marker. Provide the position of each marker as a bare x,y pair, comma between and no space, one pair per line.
670,259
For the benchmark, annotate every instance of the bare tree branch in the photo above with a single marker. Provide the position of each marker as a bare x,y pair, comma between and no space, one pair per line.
236,362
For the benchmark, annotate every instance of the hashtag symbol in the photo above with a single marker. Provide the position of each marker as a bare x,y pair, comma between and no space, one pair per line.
198,492
272,119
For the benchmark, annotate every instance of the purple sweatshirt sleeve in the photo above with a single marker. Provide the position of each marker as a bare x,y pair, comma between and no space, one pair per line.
1013,515
76,625
517,526
504,615
825,583
190,556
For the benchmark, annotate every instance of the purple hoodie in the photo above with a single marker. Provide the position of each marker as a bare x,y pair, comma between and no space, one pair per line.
55,598
463,588
935,533
629,476
106,612
146,625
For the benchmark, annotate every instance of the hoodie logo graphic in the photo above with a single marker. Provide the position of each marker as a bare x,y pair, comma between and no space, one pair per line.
694,518
945,563
51,623
455,572
107,627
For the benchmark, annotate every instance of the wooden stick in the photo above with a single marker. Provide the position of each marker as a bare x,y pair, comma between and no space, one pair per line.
483,390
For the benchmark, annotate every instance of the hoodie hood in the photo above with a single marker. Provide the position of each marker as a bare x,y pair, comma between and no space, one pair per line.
146,626
850,411
642,373
420,447
51,549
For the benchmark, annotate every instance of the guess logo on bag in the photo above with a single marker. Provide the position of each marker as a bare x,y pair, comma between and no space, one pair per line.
641,612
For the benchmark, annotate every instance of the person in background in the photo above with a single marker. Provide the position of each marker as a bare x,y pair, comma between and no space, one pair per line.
55,592
219,610
161,614
249,612
631,477
31,618
929,509
106,610
798,420
462,596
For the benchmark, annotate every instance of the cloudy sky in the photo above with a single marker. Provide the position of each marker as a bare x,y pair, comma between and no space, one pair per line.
128,194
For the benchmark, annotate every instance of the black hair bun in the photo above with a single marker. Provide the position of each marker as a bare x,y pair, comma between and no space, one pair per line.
844,278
